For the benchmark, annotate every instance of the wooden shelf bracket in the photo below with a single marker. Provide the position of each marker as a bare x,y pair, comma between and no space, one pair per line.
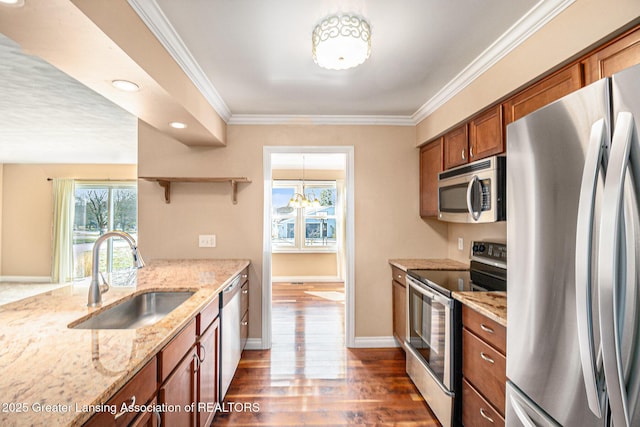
165,183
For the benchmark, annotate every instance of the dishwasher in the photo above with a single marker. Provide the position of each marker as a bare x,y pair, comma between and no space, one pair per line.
230,342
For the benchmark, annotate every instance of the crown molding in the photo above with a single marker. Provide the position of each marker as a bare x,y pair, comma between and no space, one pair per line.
535,19
155,19
296,119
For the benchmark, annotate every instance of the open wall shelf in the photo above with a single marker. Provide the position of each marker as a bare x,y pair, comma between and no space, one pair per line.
165,182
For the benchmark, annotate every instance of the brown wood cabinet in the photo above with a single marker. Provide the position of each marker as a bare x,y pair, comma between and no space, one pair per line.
139,390
430,167
399,297
483,370
179,391
485,134
542,93
621,53
456,147
208,330
147,419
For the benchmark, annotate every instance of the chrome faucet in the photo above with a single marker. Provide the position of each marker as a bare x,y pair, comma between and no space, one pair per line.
95,288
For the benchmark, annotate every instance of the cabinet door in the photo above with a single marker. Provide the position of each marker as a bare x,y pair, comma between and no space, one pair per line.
208,347
540,94
485,134
180,391
456,147
147,419
430,167
399,312
615,56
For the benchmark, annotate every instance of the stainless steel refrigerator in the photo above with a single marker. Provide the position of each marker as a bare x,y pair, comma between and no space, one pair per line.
573,233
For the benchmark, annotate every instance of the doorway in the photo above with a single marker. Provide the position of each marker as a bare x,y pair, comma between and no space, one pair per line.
321,222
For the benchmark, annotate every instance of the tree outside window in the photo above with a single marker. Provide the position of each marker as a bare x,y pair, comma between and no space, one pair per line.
101,207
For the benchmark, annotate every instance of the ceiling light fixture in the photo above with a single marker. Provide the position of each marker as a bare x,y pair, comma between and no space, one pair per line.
341,42
299,201
177,125
125,85
13,3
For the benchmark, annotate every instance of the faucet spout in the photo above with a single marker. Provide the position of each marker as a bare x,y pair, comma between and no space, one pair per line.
95,288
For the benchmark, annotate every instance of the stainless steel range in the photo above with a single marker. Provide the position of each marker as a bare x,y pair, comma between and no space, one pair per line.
434,326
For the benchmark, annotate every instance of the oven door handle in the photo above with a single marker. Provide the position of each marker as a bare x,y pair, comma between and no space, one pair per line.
427,292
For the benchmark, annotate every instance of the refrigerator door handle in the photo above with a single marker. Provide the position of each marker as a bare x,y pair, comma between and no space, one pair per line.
583,267
521,413
612,225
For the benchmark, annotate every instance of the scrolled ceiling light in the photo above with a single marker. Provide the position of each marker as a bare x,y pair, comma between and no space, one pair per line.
341,42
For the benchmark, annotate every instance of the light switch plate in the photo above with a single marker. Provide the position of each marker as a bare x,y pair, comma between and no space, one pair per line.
460,244
207,241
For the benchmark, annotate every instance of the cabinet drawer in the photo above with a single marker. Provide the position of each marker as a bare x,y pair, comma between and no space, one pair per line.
476,411
484,368
485,328
244,331
399,275
207,316
141,388
244,275
244,299
172,353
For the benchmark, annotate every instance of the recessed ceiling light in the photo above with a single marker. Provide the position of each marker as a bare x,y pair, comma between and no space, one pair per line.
14,3
124,85
177,125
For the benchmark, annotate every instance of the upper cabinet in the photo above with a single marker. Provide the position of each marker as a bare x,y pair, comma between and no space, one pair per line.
542,93
430,167
613,57
485,134
456,147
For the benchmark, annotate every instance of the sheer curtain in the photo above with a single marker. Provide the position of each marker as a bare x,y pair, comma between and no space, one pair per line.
63,210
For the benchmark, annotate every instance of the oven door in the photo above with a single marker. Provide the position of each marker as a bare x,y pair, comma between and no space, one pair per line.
429,330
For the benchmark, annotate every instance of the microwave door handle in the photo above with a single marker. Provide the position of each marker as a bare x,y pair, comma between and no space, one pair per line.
470,188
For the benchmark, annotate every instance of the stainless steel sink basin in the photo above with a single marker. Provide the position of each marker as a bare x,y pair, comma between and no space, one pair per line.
142,310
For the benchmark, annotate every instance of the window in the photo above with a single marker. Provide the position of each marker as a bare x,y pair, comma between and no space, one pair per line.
101,207
304,229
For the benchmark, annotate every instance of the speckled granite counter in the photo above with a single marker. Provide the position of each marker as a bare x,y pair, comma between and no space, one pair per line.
428,264
43,362
491,304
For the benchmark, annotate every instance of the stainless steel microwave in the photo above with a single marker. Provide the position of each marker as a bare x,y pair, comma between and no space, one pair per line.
473,193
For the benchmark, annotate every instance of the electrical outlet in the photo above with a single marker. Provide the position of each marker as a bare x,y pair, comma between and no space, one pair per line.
460,244
207,241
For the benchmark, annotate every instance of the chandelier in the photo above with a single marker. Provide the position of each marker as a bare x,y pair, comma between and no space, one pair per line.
341,42
299,201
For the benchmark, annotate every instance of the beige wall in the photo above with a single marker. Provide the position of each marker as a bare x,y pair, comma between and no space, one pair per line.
301,265
386,206
578,27
27,212
496,232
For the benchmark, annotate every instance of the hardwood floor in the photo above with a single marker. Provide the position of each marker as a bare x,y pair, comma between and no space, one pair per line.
310,378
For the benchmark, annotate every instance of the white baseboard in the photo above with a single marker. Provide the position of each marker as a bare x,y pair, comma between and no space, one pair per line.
375,342
26,279
322,279
254,344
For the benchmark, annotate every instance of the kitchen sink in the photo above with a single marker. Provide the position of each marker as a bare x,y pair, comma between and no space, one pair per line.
144,309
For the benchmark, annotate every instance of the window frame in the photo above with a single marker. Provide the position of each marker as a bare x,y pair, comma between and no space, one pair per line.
300,244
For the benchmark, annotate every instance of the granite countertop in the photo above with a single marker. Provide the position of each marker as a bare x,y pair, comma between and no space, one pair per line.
428,264
43,362
491,304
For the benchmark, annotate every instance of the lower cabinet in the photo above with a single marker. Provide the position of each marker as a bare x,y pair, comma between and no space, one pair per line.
483,369
179,391
208,371
399,298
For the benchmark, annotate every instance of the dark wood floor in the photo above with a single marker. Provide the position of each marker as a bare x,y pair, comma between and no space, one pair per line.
310,378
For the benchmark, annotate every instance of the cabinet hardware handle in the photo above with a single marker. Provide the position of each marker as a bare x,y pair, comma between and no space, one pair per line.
196,360
246,291
487,358
487,329
400,276
485,416
471,151
204,354
159,418
463,158
244,276
244,323
124,410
